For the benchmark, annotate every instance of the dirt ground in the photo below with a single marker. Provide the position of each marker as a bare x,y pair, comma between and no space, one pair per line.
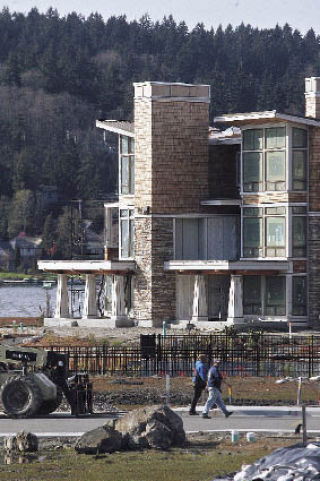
128,393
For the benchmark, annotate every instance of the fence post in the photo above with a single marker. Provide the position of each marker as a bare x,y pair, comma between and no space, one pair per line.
299,391
304,427
167,388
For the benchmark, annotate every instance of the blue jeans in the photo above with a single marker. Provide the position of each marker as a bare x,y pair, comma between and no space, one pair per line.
214,398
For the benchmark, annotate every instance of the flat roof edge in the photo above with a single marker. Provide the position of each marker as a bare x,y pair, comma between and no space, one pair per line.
265,115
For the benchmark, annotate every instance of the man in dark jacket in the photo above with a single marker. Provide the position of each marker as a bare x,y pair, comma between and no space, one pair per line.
214,387
199,382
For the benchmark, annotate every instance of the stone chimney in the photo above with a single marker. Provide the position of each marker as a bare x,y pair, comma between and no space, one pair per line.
171,146
171,123
312,97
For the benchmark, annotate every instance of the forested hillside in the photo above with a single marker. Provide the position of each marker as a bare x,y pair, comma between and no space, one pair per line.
57,75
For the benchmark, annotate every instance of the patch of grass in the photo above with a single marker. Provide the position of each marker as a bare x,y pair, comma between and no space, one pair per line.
200,461
22,275
117,342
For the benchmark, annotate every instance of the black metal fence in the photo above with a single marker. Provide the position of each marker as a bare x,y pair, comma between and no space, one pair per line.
240,354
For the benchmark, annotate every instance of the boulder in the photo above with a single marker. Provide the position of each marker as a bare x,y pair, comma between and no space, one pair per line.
26,442
10,444
158,435
104,439
151,426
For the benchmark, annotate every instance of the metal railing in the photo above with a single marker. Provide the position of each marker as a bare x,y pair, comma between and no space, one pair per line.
240,355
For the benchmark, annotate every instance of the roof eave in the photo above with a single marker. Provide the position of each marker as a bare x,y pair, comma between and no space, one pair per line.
101,124
248,117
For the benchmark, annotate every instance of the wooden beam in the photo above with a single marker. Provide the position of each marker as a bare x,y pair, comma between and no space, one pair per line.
230,272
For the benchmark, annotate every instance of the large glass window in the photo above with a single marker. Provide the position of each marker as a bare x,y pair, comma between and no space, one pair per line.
127,232
252,171
264,231
299,235
252,139
275,296
276,170
299,138
264,295
275,236
252,301
299,295
264,159
126,165
299,158
276,138
299,161
252,232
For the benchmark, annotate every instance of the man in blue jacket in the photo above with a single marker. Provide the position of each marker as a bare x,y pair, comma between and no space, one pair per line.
199,382
214,387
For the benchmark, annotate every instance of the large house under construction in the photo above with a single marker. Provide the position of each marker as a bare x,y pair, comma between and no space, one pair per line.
211,226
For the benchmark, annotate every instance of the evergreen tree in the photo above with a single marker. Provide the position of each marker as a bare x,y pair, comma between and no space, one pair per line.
20,215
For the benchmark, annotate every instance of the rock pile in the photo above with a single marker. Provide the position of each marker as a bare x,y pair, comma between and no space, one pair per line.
147,427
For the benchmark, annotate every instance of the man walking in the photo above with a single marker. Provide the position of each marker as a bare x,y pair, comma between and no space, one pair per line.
214,387
199,382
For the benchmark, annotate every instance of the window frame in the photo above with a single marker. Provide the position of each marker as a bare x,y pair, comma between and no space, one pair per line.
304,306
263,306
265,212
129,220
302,214
264,150
289,184
126,188
305,151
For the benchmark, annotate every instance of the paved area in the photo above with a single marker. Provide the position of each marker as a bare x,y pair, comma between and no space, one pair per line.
259,419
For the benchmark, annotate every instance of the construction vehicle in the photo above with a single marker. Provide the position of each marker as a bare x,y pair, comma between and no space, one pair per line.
33,381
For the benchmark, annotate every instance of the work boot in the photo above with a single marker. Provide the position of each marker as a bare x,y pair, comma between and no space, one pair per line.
205,416
228,414
193,413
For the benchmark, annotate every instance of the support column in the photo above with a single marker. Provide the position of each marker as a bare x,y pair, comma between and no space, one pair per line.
62,300
200,299
235,305
118,314
90,297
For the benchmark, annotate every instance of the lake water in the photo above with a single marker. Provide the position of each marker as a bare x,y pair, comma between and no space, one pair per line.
23,301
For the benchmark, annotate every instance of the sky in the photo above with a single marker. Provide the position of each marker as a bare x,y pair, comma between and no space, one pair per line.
300,14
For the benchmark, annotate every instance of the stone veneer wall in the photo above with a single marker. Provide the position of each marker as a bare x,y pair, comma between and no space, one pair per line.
171,155
143,275
171,177
314,228
163,283
154,297
180,156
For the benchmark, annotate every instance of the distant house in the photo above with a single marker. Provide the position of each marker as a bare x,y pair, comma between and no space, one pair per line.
7,256
27,249
50,195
